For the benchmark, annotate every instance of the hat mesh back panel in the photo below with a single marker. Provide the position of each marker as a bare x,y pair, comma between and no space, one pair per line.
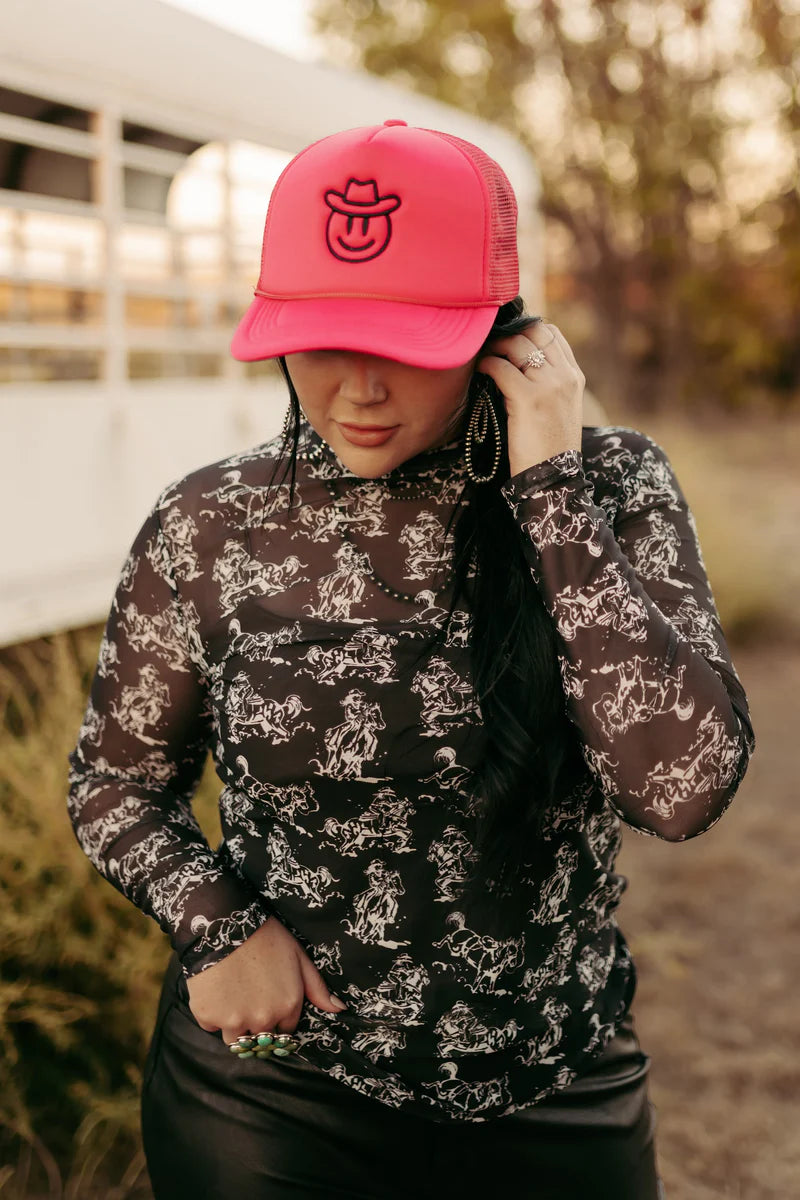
503,274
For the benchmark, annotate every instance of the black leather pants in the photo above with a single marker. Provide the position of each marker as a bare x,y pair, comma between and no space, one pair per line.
288,1131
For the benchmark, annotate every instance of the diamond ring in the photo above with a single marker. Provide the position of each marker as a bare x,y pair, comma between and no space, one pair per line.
536,358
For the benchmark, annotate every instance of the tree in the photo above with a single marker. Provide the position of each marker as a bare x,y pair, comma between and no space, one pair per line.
664,249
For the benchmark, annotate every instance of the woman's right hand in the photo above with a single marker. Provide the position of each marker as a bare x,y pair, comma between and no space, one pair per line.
262,984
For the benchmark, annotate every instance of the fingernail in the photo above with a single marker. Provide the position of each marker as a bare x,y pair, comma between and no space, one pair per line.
337,1003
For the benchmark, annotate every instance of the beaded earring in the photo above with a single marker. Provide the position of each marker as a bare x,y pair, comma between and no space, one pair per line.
477,431
287,420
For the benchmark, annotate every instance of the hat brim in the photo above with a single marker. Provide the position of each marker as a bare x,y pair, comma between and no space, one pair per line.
418,334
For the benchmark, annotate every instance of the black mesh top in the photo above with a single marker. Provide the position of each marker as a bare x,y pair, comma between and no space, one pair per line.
345,758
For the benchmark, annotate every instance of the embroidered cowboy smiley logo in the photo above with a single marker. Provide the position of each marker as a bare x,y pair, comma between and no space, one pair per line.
359,227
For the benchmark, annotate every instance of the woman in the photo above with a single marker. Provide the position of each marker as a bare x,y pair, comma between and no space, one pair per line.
442,639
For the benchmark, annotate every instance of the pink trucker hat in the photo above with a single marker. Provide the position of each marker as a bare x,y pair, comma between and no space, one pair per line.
388,240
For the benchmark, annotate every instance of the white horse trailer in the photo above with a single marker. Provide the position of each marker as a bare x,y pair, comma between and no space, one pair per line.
138,146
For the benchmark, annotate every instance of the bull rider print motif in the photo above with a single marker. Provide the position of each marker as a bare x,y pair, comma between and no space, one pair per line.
354,742
240,575
447,699
341,589
398,998
377,906
249,713
426,543
462,1030
606,603
478,960
289,877
349,747
367,655
385,822
638,694
463,1096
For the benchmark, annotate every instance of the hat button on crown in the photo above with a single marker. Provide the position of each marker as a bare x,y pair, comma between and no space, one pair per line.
393,122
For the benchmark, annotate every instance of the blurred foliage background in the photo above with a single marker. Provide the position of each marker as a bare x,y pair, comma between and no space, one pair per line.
667,136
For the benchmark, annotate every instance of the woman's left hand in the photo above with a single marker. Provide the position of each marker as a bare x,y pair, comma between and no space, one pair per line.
544,404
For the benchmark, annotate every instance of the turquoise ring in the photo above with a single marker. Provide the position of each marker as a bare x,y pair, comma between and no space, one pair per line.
264,1045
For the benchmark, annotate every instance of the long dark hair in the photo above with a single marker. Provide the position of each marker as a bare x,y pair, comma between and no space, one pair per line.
530,749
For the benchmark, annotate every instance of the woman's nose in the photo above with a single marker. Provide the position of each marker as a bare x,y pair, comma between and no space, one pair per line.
362,383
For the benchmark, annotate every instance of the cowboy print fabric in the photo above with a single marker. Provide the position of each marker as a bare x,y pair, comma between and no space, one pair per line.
345,750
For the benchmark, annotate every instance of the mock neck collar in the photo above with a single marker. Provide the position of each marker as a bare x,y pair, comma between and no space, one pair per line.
448,457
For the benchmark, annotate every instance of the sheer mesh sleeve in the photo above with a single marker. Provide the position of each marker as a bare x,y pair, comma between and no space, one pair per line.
138,759
650,685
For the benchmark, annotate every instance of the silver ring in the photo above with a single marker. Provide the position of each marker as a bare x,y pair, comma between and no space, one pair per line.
536,358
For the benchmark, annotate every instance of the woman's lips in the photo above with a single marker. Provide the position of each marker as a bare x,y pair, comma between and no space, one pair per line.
364,435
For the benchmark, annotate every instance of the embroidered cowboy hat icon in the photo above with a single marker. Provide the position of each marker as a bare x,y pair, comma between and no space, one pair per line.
359,227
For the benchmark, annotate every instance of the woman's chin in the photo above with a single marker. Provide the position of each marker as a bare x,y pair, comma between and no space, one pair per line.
369,461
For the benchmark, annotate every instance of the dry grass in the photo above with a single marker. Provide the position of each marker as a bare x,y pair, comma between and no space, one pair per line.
80,965
741,480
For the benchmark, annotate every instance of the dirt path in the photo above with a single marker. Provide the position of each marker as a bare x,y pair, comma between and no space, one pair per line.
714,925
